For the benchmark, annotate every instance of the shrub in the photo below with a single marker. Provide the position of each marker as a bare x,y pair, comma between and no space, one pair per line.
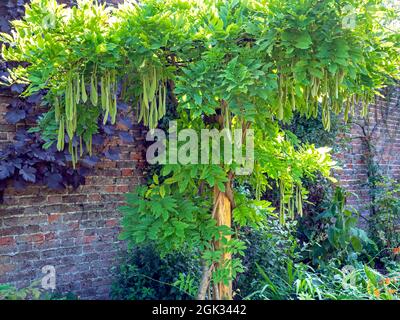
144,275
384,223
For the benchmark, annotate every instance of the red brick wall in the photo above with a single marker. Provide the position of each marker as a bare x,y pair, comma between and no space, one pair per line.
73,230
381,129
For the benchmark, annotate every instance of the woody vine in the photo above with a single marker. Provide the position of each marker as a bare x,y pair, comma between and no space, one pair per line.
242,64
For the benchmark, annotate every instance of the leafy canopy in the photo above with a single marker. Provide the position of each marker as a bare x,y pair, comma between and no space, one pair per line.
242,63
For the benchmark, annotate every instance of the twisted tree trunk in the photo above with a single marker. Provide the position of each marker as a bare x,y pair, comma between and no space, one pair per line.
223,215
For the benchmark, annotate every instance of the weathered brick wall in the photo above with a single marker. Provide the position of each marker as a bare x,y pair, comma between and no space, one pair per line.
73,230
378,137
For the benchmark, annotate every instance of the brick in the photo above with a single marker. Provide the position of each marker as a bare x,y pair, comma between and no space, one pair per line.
126,172
54,199
54,217
122,189
112,223
7,241
109,188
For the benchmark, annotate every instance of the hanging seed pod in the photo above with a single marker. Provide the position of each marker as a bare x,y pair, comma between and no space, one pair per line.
145,99
337,79
77,89
69,112
153,85
141,112
364,110
282,205
103,96
325,86
281,98
113,98
347,111
159,104
113,109
57,110
83,89
61,135
299,202
70,128
72,153
76,153
164,103
93,90
326,114
293,98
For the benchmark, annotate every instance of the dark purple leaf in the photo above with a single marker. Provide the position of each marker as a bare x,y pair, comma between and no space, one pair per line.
97,140
84,171
108,129
19,184
43,155
126,137
6,170
112,154
122,106
54,181
14,116
4,25
75,180
126,123
90,161
35,98
17,88
28,173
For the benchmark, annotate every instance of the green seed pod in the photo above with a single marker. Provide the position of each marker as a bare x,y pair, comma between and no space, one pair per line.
72,153
164,99
83,89
141,112
337,86
60,140
68,106
70,128
93,90
57,110
293,98
77,89
347,111
103,96
153,85
113,109
76,153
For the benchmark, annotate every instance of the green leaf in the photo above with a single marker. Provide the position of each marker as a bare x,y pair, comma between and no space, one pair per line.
303,40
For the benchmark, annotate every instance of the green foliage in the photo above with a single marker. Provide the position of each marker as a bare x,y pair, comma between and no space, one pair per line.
341,239
229,64
383,224
264,59
173,223
144,275
355,283
32,292
271,247
9,292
